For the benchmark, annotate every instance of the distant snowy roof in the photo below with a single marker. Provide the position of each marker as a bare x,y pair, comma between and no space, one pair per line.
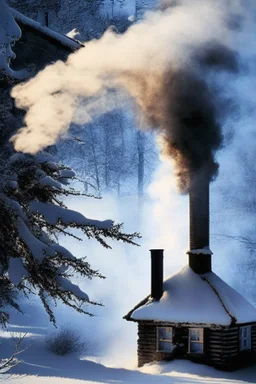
62,39
196,299
9,33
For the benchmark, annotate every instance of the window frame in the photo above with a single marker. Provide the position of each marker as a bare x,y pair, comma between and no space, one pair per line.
195,341
158,340
248,339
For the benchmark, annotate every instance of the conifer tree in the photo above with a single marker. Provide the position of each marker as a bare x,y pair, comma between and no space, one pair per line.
32,216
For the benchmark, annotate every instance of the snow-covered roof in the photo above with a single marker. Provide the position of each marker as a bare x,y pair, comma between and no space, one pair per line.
62,39
196,299
9,33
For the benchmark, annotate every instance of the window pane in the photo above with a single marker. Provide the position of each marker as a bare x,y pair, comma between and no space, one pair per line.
196,347
245,338
165,333
165,346
196,334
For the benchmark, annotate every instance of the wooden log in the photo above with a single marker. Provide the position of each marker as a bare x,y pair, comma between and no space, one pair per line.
215,353
215,359
146,341
147,331
221,350
146,350
148,346
147,337
230,337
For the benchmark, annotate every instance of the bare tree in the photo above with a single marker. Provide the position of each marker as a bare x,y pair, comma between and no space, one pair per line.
7,364
141,162
238,200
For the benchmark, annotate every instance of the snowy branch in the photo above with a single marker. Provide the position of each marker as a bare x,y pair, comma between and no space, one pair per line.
32,217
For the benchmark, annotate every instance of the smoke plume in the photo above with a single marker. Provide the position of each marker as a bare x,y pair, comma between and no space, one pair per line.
176,66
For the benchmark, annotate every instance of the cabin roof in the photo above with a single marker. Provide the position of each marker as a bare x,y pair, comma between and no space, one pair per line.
196,299
64,40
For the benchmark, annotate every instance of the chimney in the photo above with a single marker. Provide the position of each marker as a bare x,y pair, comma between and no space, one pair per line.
157,256
43,18
199,224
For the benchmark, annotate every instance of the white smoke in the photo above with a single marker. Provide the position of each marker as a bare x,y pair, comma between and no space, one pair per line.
82,87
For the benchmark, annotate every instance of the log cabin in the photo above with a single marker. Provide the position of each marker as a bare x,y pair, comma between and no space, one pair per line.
194,314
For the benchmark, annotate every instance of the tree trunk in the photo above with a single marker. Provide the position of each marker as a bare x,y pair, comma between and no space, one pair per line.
106,161
141,163
95,161
43,18
122,156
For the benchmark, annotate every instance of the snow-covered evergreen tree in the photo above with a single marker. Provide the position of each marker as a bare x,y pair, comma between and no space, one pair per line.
32,216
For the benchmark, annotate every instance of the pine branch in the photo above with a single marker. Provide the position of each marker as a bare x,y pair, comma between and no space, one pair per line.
44,273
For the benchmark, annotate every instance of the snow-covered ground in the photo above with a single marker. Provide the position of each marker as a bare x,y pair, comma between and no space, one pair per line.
41,366
44,367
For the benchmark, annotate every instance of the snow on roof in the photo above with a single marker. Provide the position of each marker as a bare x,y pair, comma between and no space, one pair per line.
9,33
62,39
196,299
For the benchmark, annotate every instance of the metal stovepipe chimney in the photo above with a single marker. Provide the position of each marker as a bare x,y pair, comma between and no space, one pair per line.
199,224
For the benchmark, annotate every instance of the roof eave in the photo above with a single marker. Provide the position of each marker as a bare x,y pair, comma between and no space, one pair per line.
64,40
182,324
129,314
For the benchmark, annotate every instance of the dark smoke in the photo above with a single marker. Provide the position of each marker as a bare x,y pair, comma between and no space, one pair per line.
191,131
217,57
188,110
177,66
166,4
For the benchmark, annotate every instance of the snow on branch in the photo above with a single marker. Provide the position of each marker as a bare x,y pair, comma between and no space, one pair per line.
63,251
32,215
53,214
35,246
47,180
67,286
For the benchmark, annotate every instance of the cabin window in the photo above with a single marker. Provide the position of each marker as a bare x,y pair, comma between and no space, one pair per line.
164,339
245,338
196,340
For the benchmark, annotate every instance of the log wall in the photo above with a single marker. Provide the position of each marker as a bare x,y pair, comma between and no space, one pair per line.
221,346
254,338
146,343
